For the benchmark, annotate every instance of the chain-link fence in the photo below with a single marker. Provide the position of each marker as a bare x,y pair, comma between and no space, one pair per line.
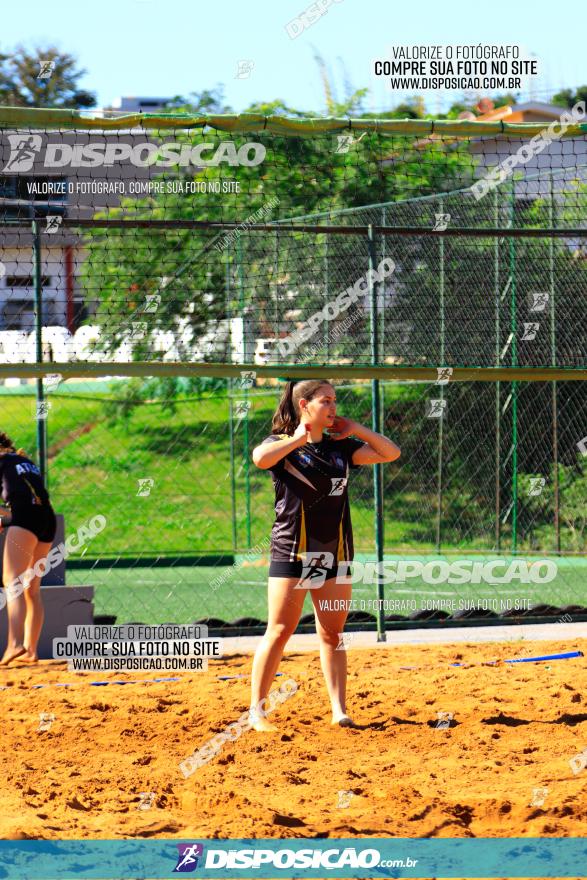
322,254
462,299
487,471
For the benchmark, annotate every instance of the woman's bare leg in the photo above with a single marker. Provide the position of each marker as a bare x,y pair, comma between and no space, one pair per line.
284,609
329,626
19,550
35,612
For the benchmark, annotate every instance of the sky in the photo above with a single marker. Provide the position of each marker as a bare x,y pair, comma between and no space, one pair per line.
161,49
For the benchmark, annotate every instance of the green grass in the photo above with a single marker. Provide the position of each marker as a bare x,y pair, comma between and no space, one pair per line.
18,418
95,467
183,594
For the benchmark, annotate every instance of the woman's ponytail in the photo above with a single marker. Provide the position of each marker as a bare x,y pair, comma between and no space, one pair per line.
6,444
286,417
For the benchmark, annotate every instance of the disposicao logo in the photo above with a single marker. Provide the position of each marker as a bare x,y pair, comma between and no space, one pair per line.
188,858
25,148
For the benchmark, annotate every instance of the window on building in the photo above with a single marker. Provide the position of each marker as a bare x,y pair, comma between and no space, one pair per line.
33,187
26,281
35,195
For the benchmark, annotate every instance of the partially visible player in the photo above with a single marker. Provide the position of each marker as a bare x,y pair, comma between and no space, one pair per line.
310,473
30,524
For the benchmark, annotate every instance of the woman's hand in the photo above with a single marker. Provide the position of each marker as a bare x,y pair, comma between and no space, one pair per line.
341,428
303,431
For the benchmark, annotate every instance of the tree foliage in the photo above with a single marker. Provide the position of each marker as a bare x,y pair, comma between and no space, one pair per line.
23,85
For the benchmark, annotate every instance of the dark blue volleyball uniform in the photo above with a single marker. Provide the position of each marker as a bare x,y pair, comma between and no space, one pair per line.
23,491
312,512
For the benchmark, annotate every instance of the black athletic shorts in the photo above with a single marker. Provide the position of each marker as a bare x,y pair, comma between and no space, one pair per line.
283,568
41,521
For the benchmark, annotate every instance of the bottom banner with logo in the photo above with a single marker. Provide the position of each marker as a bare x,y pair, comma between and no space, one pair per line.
349,857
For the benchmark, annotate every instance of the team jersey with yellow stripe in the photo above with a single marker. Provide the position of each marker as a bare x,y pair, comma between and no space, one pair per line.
312,512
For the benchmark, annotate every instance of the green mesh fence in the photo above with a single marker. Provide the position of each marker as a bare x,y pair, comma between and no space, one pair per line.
189,515
205,240
193,252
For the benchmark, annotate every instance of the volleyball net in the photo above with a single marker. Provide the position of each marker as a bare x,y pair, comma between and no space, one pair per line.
161,273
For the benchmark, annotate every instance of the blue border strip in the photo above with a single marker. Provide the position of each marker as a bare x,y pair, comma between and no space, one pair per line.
284,858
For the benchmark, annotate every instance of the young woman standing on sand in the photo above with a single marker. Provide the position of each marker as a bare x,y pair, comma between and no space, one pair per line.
310,473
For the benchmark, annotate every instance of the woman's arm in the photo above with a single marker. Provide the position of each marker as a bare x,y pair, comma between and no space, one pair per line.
377,448
268,454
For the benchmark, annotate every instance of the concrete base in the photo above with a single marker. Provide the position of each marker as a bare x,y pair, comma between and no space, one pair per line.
64,606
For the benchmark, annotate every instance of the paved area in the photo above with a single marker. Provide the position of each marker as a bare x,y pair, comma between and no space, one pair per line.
512,633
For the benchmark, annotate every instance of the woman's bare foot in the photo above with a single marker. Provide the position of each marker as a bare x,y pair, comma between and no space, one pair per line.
11,654
260,723
342,720
29,657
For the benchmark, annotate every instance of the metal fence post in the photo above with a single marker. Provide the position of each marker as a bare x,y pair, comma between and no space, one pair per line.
514,330
41,417
376,426
439,474
551,254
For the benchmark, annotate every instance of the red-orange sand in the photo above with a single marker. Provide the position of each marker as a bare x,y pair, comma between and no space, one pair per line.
515,730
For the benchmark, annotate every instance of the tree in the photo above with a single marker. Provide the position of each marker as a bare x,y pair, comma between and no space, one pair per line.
206,101
43,77
568,98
